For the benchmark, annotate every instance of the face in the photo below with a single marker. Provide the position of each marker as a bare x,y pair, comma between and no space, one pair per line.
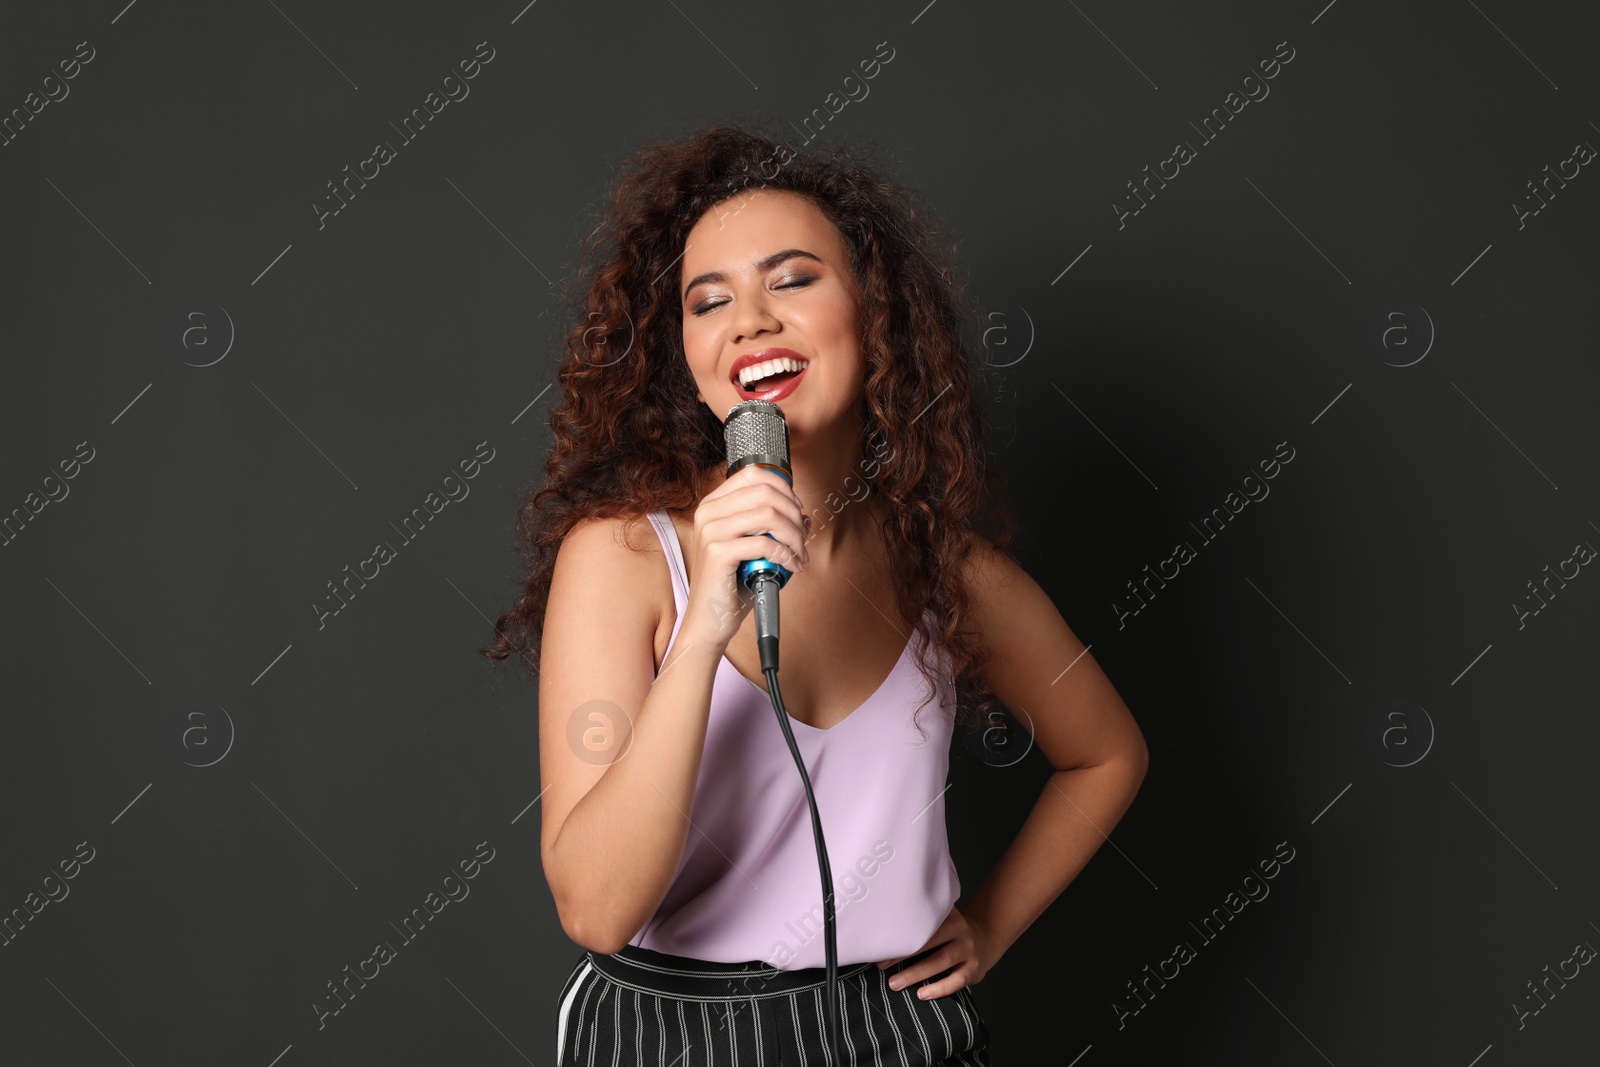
767,271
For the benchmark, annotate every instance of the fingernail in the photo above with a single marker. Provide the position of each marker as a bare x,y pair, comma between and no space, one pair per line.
896,982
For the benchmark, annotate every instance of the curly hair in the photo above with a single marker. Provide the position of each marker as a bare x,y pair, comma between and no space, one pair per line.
630,435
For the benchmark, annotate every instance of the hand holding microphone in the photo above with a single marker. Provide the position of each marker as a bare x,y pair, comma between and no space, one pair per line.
756,498
758,436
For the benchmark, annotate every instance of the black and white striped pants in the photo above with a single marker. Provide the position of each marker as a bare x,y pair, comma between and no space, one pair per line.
640,1007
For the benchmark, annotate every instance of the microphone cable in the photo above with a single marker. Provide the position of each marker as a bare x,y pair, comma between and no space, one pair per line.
829,935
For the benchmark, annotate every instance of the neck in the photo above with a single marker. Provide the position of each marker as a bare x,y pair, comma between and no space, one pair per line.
830,480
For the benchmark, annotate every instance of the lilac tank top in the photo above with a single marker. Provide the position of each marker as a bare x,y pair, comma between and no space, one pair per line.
748,887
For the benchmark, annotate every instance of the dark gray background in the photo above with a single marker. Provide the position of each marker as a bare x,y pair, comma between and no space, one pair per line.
162,611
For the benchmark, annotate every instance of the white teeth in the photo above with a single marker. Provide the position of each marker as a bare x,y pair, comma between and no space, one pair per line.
756,371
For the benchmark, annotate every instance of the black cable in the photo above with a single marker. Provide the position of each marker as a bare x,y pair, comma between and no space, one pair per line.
828,936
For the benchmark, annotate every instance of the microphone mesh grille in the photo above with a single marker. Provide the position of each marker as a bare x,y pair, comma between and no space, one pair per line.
757,428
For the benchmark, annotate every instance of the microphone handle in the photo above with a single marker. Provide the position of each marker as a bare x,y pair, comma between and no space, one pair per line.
766,608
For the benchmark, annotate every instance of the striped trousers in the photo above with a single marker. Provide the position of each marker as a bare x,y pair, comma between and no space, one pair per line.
639,1007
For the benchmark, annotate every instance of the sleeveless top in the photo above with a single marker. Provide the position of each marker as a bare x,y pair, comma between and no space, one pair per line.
748,887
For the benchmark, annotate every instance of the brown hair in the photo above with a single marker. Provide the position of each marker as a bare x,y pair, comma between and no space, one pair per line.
630,436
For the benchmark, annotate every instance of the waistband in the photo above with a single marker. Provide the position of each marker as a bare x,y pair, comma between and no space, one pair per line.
648,971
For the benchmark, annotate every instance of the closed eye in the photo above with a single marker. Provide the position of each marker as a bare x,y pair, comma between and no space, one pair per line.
793,283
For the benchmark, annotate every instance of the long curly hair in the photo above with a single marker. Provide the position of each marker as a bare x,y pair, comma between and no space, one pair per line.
630,435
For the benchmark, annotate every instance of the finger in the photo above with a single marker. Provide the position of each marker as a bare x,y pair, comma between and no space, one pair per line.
937,963
754,475
948,980
742,543
929,945
784,498
780,551
942,988
746,483
783,484
786,530
765,482
780,517
800,541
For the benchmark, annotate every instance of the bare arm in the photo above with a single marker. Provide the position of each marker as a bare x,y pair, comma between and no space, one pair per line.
617,797
620,744
1041,671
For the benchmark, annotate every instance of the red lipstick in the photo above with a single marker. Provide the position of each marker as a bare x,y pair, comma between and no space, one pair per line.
776,391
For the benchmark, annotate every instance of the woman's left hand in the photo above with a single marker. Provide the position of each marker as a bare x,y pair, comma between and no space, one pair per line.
966,949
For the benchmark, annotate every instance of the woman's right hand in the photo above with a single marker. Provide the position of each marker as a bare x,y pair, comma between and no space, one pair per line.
728,524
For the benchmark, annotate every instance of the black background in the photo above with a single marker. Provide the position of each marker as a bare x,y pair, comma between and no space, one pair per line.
1343,669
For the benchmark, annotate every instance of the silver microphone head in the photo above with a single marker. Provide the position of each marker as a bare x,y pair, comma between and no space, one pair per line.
756,432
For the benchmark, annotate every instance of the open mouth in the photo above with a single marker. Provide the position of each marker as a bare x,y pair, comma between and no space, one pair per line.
776,385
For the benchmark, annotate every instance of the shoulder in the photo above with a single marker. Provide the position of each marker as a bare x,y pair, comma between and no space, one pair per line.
989,574
610,537
615,553
1008,610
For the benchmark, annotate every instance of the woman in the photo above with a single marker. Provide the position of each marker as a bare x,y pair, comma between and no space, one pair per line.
675,833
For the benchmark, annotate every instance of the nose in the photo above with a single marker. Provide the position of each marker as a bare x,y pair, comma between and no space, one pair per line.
752,316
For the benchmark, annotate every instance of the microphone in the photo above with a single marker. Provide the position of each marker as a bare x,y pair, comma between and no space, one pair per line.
757,435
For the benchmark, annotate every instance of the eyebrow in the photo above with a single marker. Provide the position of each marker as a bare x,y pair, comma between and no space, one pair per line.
761,264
